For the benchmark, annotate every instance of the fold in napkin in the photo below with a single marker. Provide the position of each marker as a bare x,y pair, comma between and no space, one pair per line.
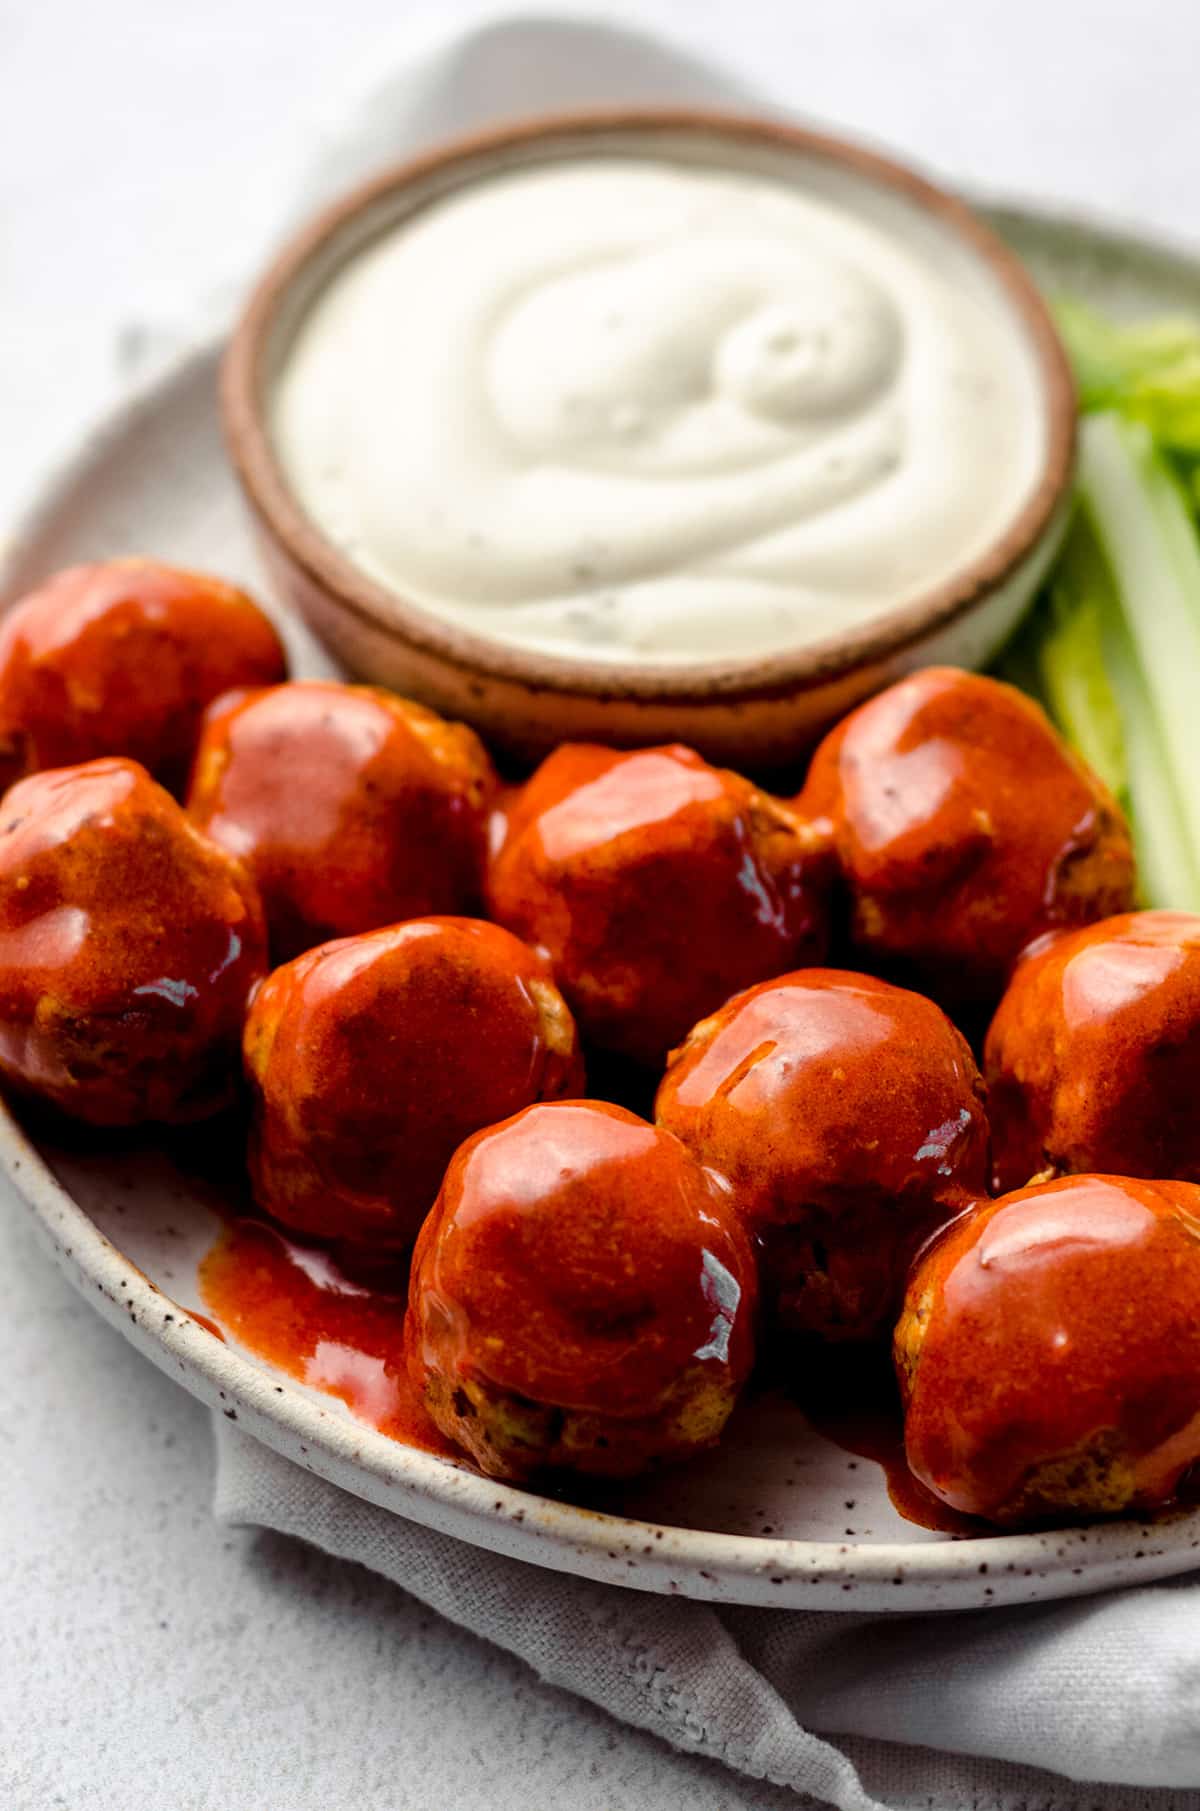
945,1713
1103,1688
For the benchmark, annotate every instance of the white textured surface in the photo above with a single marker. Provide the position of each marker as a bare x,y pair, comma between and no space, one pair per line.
149,1656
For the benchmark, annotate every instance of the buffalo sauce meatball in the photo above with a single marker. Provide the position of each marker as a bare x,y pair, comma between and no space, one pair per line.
353,808
582,1296
129,945
372,1058
1049,1351
848,1116
964,827
659,885
123,659
1094,1051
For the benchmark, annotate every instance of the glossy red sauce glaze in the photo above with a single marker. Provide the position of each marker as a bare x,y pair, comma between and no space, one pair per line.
659,885
1049,1351
1094,1051
353,808
371,1059
123,658
849,1117
582,1295
129,945
293,1307
964,827
505,801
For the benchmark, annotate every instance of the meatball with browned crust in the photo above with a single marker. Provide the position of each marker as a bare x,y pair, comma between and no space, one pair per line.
129,945
848,1115
123,658
1093,1054
370,1060
582,1297
659,885
1049,1351
353,808
964,827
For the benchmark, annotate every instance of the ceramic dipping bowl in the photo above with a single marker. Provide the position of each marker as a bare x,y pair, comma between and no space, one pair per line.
751,712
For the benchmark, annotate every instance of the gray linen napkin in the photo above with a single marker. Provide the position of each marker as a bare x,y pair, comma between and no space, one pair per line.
949,1713
1100,1689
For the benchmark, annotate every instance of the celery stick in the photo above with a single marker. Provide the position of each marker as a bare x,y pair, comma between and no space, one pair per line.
1113,646
1113,649
1168,874
1075,655
1074,678
1137,512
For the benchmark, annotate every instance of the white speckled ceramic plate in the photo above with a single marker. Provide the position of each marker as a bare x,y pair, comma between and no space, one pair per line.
779,1515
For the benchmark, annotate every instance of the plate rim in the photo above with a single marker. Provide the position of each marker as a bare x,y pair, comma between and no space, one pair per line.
443,1494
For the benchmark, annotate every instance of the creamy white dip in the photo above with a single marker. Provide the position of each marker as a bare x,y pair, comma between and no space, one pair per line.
616,407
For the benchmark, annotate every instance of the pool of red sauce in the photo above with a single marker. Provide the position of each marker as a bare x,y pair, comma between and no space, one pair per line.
292,1305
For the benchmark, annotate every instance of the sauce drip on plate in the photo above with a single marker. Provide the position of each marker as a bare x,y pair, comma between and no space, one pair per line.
292,1306
205,1321
857,1407
873,1430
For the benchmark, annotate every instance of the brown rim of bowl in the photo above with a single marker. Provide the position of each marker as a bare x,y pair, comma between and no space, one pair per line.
771,675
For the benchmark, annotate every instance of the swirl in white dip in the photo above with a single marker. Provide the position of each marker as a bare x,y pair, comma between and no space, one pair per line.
626,408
